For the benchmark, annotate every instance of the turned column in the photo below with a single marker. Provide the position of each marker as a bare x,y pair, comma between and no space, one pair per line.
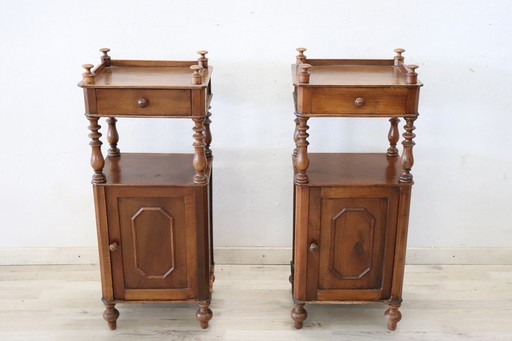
97,160
199,161
204,314
299,314
207,135
296,135
111,314
301,160
393,136
113,138
407,155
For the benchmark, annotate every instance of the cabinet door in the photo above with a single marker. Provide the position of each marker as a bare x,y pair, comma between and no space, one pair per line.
155,258
356,243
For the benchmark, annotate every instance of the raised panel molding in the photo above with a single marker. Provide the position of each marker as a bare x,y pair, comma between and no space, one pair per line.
352,233
153,239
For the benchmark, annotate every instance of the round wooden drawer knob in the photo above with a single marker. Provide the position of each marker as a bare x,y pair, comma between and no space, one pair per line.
113,247
359,102
142,102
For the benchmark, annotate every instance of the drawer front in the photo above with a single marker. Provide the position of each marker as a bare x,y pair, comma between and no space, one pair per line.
358,101
141,102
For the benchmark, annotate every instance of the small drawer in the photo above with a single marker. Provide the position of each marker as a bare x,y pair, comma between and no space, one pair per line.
358,101
143,102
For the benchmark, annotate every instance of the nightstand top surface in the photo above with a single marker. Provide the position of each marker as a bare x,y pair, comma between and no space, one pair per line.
147,74
353,73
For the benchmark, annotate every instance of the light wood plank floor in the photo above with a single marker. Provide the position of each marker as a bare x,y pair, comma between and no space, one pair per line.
451,302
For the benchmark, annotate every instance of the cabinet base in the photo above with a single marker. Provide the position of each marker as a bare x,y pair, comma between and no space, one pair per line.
111,314
393,315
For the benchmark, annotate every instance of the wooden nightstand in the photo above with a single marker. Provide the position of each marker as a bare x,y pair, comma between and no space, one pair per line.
153,211
351,210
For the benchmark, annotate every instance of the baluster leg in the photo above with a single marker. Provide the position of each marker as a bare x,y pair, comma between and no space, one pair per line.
407,155
207,135
199,162
301,161
393,136
97,160
113,138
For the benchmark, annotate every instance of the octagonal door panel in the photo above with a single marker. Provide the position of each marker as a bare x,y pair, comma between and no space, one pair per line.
356,247
156,250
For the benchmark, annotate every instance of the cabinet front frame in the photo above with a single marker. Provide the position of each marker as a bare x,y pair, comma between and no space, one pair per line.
307,229
197,242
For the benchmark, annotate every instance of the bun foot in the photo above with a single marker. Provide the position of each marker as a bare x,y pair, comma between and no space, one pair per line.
204,314
111,314
299,314
394,316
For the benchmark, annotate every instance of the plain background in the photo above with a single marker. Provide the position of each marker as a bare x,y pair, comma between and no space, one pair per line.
463,191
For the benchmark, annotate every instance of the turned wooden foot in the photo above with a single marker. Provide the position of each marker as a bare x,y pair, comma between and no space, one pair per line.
111,314
204,314
299,314
393,315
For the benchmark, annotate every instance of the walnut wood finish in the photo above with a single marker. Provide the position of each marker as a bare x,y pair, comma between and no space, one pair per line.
113,138
111,314
204,314
97,161
301,159
299,314
153,211
351,210
407,156
199,160
393,136
202,60
207,135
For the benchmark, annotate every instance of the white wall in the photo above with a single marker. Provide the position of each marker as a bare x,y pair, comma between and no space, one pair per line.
463,171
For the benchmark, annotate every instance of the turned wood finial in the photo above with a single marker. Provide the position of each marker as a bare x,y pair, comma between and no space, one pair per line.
197,78
304,74
88,76
412,76
105,58
399,52
203,61
301,58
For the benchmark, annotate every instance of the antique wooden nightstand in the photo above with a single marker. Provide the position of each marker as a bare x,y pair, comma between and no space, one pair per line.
351,210
153,211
